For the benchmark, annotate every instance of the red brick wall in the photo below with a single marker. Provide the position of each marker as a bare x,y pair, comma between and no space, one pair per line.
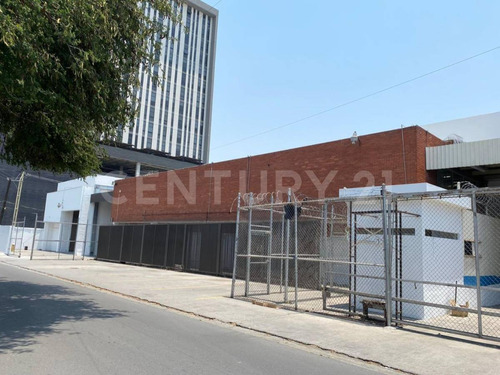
426,139
374,160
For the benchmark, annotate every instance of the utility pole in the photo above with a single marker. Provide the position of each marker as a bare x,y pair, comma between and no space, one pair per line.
16,211
18,198
5,200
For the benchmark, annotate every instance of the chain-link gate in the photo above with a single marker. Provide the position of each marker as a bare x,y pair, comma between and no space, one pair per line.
446,275
311,255
429,260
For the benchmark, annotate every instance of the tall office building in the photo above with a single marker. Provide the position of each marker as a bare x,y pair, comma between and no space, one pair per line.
176,117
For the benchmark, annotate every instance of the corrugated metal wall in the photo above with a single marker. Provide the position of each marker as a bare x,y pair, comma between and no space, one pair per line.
463,155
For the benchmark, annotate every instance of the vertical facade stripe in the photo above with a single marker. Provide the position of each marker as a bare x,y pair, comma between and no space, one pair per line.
174,115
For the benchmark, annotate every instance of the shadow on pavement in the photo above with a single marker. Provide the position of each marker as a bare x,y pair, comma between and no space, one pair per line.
29,310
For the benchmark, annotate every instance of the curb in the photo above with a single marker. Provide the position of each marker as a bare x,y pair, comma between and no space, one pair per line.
208,318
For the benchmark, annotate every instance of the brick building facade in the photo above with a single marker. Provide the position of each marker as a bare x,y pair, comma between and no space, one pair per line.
207,193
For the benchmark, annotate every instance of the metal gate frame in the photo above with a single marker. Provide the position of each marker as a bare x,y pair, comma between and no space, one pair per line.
392,233
398,280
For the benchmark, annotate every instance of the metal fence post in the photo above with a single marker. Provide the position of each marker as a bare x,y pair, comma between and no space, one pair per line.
296,261
387,252
477,264
166,247
282,250
236,240
75,241
85,239
94,248
249,246
16,238
142,244
270,247
287,248
34,236
333,241
10,239
332,226
323,245
61,230
121,243
22,237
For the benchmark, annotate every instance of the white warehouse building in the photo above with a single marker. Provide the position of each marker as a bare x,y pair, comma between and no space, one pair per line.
73,214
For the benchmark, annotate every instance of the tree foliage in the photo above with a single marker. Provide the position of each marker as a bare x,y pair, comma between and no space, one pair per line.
67,71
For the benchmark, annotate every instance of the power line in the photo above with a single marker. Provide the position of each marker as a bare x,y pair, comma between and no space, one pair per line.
356,100
43,178
213,6
22,205
3,174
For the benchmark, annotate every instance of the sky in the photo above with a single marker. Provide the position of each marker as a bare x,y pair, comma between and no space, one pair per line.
282,61
470,129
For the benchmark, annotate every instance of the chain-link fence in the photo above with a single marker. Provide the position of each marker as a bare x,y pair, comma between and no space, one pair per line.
429,260
53,240
18,236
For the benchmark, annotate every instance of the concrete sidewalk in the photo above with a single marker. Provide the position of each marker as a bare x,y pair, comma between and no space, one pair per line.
207,296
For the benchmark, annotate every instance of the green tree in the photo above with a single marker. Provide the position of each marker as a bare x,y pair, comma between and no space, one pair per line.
67,71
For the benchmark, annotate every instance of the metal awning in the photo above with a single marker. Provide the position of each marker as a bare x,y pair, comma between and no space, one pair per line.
118,158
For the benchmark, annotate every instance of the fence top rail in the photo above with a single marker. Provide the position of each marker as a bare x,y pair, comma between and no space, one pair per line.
462,193
304,204
63,223
165,222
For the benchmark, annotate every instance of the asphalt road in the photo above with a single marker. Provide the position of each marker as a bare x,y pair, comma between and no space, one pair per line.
53,327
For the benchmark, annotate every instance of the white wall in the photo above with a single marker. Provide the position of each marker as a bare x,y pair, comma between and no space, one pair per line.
62,201
424,258
489,254
83,220
336,248
91,181
23,239
489,240
49,241
4,238
370,250
412,259
104,217
443,258
489,245
74,195
65,231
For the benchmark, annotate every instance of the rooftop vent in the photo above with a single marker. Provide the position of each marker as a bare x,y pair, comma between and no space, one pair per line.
454,139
